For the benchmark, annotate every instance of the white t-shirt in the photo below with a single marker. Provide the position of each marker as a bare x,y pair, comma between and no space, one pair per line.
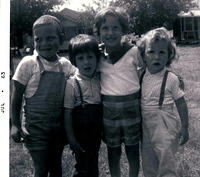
151,85
28,71
120,78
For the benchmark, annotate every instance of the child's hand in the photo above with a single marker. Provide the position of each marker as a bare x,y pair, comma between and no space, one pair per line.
15,134
76,148
183,136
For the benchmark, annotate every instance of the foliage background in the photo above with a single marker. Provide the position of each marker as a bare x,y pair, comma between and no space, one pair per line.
144,14
23,13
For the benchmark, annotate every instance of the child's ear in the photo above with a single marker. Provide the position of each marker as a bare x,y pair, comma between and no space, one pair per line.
62,38
172,54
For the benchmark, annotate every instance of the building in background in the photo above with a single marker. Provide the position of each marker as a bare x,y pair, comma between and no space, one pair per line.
73,25
187,27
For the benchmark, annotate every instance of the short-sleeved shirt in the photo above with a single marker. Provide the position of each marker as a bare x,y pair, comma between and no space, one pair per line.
90,88
151,85
28,71
120,78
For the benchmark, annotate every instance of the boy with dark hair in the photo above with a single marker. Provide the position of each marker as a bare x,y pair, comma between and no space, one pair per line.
83,110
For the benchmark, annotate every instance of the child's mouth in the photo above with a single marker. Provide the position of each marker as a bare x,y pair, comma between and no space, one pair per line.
156,64
87,69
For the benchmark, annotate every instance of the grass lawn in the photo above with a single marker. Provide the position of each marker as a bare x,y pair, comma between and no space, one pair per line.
188,156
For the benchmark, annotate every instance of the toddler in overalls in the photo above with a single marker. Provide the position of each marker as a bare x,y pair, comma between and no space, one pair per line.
120,90
41,79
160,91
83,109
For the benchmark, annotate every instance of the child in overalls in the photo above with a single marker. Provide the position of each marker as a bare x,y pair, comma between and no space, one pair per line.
160,90
83,109
41,78
120,90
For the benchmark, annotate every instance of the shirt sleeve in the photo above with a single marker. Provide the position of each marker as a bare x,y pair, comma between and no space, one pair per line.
69,98
137,58
176,91
24,71
68,68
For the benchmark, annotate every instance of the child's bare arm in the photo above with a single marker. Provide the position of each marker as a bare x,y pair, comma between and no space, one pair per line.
183,113
70,132
16,103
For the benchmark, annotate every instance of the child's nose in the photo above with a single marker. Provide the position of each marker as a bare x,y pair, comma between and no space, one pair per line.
110,31
44,42
86,61
156,56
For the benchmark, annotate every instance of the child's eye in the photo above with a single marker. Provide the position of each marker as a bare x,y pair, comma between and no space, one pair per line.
79,58
151,51
162,52
90,56
37,39
104,28
116,28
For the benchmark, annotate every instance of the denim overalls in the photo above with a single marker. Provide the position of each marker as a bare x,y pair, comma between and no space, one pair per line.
44,116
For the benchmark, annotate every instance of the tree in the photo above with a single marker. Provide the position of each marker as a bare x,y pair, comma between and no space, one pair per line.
89,11
97,5
23,13
147,14
158,13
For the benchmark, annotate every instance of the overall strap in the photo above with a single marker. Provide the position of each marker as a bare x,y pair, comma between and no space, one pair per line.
162,90
41,66
80,92
60,66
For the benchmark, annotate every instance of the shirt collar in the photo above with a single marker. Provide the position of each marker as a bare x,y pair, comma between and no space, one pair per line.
161,73
114,57
79,75
35,53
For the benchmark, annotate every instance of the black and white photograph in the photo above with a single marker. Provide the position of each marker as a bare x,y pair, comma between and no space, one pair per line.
100,88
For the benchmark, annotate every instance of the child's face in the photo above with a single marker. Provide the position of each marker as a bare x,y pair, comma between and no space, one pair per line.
156,55
111,32
86,62
46,41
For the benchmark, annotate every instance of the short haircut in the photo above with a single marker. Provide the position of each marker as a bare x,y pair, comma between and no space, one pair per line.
83,43
50,20
158,34
117,12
